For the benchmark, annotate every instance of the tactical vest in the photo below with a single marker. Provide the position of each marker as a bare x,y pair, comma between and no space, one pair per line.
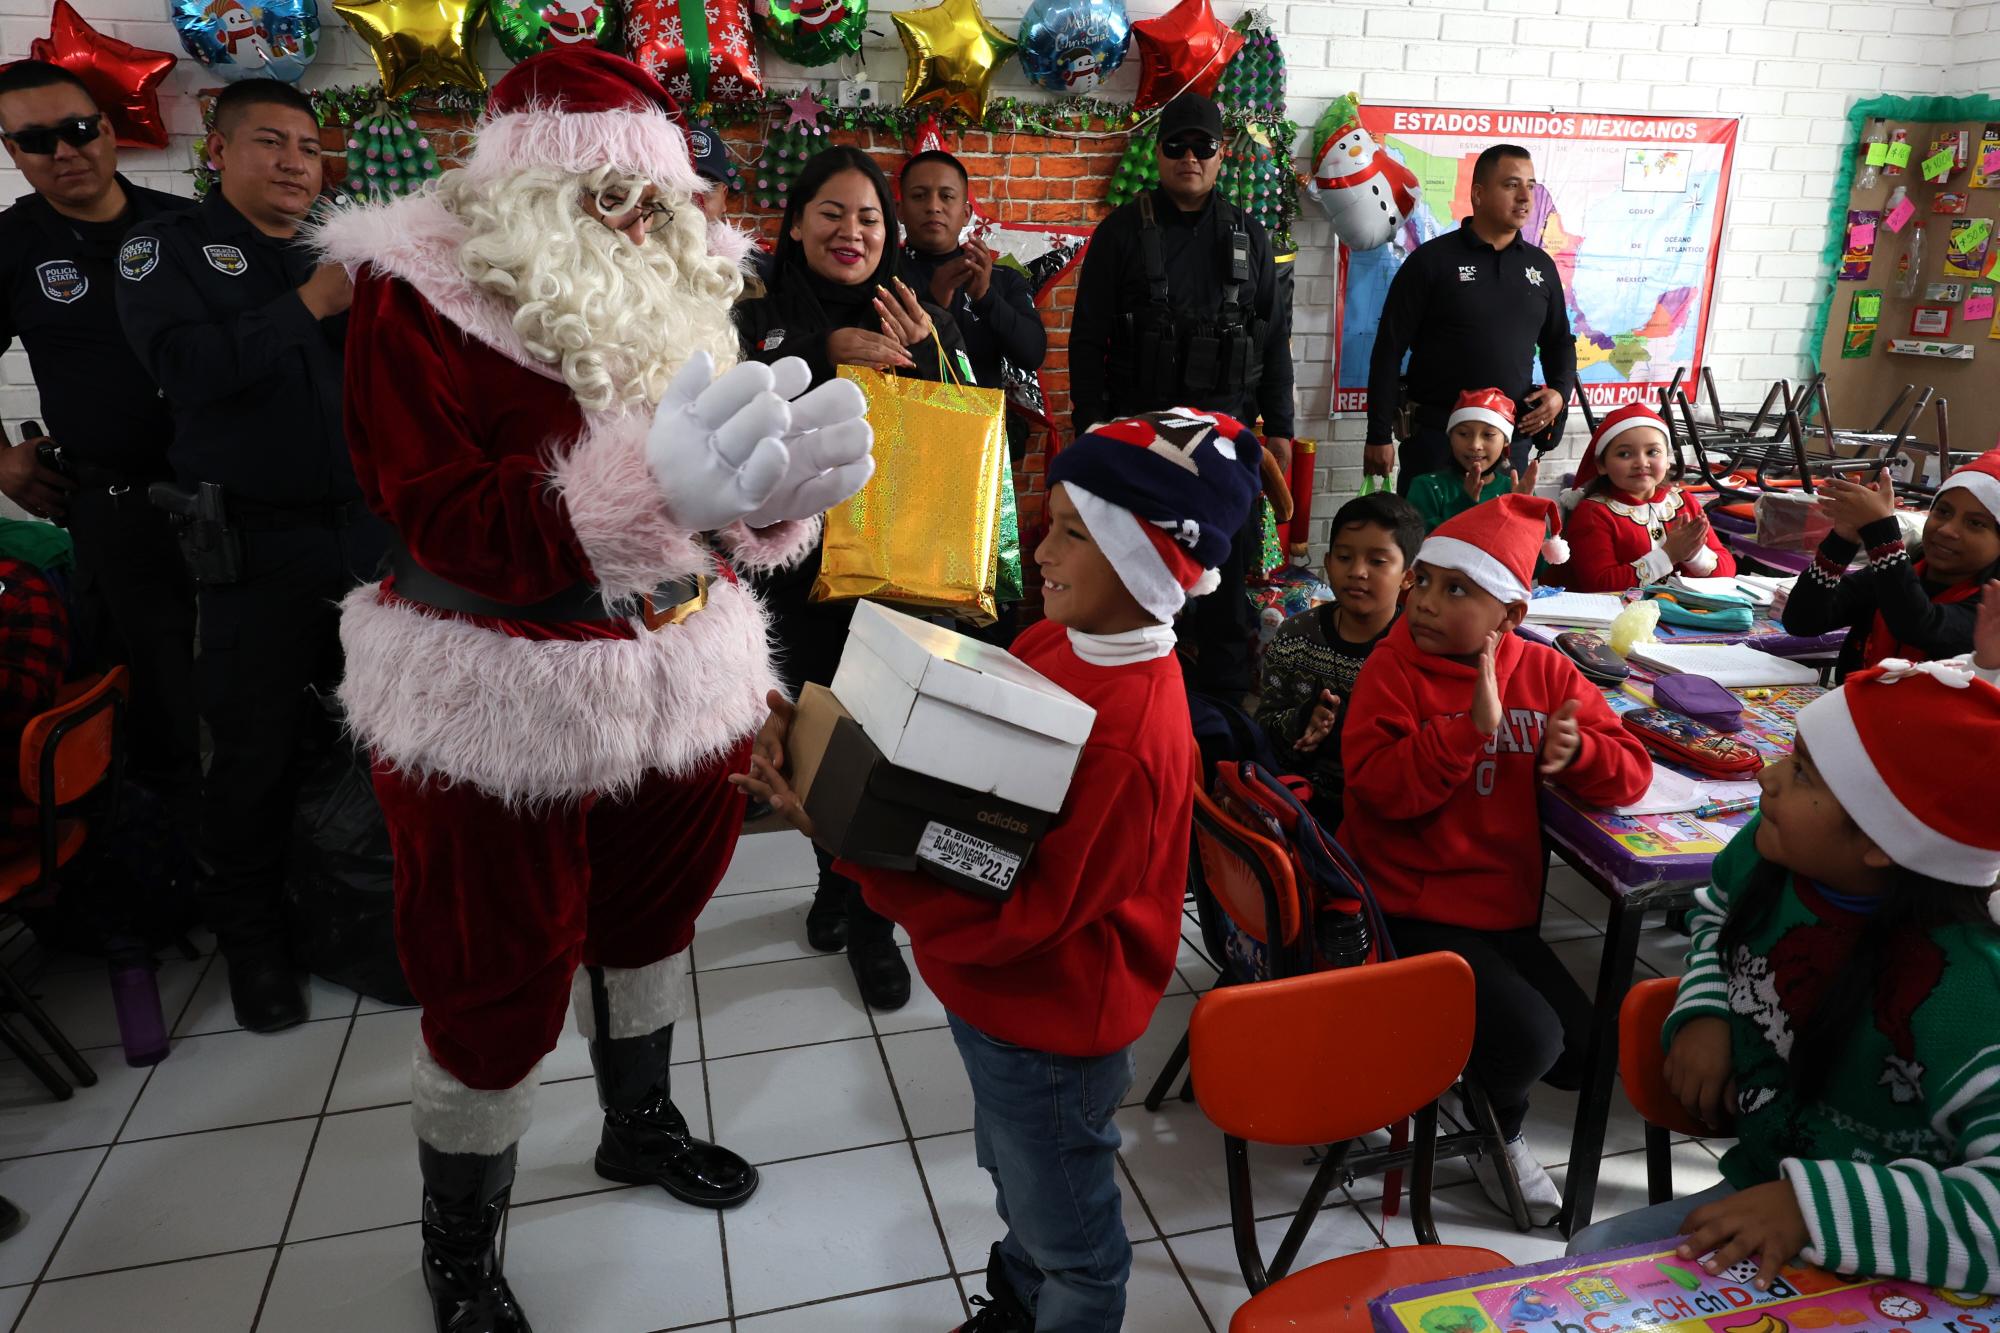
1160,359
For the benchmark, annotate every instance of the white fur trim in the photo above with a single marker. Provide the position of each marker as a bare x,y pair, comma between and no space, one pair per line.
1613,430
1827,727
454,1118
638,143
1485,414
617,510
1985,487
1570,498
532,722
1475,564
763,550
730,242
1139,565
642,1000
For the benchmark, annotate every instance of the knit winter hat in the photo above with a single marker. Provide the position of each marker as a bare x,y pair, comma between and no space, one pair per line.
578,108
1495,544
1980,477
1488,405
1616,423
1163,495
1901,746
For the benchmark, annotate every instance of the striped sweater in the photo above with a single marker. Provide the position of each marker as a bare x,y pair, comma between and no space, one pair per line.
1896,1165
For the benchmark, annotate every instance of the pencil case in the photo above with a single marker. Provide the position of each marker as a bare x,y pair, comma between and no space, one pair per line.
1686,742
1700,698
1594,657
1693,610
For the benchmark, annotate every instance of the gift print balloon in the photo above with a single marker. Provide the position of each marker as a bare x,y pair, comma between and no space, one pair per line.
811,32
249,39
1070,46
527,26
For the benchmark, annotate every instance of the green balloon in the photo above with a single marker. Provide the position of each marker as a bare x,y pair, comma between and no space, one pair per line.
525,27
812,32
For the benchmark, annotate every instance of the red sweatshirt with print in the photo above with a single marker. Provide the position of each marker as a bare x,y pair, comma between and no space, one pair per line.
1075,962
1443,819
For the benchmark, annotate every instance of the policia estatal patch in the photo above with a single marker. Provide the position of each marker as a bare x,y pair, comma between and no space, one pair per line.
138,257
226,259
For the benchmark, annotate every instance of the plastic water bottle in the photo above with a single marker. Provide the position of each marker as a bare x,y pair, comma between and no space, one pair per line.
135,993
1871,173
1910,268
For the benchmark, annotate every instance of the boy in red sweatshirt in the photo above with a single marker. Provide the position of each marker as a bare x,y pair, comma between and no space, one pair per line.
1047,992
1453,725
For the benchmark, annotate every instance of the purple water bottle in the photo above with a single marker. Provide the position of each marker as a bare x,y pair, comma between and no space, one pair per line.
135,993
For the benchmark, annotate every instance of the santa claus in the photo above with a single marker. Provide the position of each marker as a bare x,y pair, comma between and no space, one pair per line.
563,667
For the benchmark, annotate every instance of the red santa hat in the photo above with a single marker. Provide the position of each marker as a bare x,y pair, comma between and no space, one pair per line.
1981,479
1495,544
1901,746
1629,417
578,108
1488,405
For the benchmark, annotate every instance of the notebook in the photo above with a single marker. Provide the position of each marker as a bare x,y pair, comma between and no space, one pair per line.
1724,587
1733,665
1576,608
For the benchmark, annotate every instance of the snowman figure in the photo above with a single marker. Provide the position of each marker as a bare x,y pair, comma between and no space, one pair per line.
1366,193
234,27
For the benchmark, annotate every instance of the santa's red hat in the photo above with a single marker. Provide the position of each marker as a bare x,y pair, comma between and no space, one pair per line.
1901,747
578,108
1981,479
1496,544
1487,405
1616,423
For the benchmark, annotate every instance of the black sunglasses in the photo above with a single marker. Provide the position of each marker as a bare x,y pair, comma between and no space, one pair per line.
1200,145
41,139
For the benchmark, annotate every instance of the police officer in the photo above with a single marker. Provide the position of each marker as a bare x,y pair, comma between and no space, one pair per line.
1471,307
1179,305
133,600
243,329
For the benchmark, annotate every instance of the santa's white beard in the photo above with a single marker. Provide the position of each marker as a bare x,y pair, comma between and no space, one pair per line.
618,319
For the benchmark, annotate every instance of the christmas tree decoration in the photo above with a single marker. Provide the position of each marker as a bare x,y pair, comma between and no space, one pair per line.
953,53
929,138
1366,193
417,43
1139,169
525,27
263,39
1072,46
700,49
785,153
1253,82
1255,179
811,32
387,155
124,80
1184,49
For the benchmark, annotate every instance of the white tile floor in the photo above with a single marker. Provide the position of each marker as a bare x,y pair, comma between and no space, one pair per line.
268,1183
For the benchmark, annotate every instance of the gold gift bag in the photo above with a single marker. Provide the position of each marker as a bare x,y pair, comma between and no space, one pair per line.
924,531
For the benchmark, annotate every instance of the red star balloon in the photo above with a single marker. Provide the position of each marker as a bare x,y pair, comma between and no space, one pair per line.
123,79
1183,49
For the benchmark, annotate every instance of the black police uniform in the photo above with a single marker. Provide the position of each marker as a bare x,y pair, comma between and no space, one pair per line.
211,306
133,599
1156,308
1000,329
1471,317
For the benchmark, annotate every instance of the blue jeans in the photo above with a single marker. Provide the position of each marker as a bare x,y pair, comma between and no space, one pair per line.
1042,1127
1662,1221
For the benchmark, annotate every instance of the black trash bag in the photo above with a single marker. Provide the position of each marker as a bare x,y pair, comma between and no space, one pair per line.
129,891
340,879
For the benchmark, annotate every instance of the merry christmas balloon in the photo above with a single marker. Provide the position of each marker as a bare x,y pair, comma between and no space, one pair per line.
1366,193
953,53
417,43
811,32
525,27
1182,50
701,52
249,39
1072,45
123,79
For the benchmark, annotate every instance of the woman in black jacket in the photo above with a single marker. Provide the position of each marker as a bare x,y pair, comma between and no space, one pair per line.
832,296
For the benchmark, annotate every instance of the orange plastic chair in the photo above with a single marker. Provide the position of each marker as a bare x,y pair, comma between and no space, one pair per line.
1643,1069
1272,1064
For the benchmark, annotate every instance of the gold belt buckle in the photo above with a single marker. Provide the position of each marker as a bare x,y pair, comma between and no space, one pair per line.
655,618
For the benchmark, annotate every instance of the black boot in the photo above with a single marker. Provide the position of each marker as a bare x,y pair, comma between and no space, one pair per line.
826,919
879,970
465,1197
646,1139
264,989
999,1310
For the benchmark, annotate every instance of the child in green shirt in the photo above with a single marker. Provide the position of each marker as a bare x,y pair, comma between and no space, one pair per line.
1481,430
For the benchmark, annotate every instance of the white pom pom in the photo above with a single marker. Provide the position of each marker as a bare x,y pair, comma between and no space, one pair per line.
1209,581
1571,498
1556,551
1993,907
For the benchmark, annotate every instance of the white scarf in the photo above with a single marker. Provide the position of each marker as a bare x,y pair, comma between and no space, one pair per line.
1125,648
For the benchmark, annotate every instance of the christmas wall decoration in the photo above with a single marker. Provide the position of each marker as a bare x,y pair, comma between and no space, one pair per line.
1366,193
811,32
700,49
123,79
1256,178
525,27
1184,49
1071,46
1139,168
387,155
953,53
417,43
1253,82
263,39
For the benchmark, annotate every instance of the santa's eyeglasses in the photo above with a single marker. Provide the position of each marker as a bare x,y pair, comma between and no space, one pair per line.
620,209
1200,145
40,140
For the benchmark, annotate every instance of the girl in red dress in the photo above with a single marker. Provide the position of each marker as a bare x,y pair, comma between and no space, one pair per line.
1630,525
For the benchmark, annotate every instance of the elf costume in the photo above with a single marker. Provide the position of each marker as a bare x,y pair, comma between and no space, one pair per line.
1615,541
1896,1162
1440,495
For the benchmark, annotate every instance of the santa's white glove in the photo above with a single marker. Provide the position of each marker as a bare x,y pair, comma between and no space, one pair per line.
828,446
717,442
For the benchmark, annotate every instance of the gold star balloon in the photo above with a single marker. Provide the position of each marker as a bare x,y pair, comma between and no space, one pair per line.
418,43
953,54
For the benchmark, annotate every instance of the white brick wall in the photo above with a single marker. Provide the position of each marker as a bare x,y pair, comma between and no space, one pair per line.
1789,68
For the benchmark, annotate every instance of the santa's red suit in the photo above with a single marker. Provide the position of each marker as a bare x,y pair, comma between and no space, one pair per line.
556,680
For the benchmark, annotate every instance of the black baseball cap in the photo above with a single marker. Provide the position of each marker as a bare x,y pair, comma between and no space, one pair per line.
705,150
1190,111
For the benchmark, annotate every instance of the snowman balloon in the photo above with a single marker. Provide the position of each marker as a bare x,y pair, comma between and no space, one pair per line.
1366,193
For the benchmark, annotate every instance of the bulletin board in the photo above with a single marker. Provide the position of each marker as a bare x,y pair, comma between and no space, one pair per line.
1938,167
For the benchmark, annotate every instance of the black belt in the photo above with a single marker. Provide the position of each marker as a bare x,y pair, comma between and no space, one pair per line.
668,604
251,516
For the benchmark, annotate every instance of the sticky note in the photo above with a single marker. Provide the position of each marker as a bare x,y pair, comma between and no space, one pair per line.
1899,216
1990,163
1978,307
1938,165
1993,265
1878,153
1898,156
1867,307
1970,237
1860,235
